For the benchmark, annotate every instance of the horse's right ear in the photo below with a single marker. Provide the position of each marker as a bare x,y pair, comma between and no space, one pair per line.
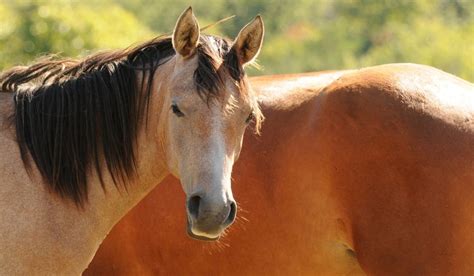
186,34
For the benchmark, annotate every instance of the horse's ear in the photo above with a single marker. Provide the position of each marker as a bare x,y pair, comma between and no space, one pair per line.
249,40
186,34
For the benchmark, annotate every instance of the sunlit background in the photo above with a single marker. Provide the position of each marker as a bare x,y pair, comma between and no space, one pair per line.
301,35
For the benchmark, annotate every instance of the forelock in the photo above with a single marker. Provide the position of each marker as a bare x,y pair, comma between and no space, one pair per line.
213,54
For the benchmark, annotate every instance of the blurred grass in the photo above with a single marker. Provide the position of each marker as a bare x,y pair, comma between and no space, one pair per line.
301,35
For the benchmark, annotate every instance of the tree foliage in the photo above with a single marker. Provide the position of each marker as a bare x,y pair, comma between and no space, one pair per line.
301,35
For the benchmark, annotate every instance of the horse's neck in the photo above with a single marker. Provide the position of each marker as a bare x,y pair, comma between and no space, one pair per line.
5,109
31,217
68,237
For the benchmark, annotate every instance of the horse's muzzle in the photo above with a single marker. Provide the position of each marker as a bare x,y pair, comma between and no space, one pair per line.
197,237
208,219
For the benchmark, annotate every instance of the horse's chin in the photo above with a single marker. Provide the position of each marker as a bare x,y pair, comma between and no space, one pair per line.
198,237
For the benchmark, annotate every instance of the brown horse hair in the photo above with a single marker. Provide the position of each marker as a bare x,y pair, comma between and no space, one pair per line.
73,117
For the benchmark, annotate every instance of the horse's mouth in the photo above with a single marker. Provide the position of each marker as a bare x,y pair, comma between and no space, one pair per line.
198,237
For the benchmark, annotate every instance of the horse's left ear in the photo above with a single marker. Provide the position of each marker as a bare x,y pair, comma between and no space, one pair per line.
249,40
186,34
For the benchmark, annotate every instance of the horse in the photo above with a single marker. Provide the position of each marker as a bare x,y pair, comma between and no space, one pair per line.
83,141
357,172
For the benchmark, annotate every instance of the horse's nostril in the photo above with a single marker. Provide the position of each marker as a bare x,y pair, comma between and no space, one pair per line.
193,206
232,213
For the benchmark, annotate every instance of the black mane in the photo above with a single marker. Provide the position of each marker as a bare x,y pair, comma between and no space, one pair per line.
73,116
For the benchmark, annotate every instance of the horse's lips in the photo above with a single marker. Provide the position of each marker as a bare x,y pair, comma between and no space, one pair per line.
197,237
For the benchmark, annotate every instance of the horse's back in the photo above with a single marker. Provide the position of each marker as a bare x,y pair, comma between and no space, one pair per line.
400,142
423,88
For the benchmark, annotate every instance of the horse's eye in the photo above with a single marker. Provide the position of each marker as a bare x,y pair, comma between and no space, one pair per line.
250,118
176,110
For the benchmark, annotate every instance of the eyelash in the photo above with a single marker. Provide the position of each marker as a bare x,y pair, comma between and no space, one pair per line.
250,118
176,110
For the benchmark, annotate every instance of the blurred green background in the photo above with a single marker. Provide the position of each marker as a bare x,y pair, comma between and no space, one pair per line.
301,35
